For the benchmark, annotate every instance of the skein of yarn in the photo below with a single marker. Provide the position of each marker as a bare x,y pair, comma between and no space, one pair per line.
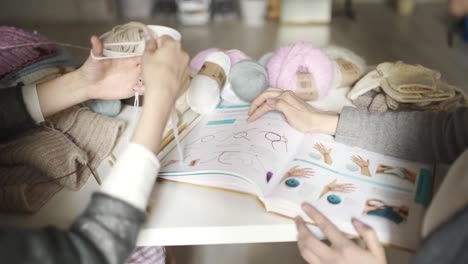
229,96
301,57
125,41
234,55
120,41
348,67
248,79
205,89
265,59
104,107
130,32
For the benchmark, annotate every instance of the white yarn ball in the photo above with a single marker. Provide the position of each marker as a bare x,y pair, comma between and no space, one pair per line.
229,96
203,95
204,92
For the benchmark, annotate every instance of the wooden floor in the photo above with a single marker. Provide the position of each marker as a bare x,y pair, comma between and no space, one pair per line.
378,34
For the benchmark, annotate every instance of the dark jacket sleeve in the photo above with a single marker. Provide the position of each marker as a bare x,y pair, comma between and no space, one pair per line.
14,117
447,244
420,136
105,233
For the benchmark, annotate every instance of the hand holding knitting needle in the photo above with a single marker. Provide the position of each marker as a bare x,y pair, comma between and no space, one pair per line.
363,164
298,113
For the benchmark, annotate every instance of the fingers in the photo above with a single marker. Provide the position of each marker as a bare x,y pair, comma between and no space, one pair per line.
282,107
369,236
328,228
309,245
96,46
260,100
356,160
151,46
164,39
260,111
294,168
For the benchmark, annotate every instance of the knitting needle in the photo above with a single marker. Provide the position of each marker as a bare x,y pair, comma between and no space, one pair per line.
171,137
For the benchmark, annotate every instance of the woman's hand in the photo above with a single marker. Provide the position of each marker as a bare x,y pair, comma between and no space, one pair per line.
299,114
166,76
167,63
109,79
342,249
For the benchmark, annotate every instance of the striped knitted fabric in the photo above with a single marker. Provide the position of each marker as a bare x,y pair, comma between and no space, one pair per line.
12,59
37,164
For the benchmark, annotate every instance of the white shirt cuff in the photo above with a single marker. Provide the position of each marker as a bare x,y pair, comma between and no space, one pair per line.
31,100
133,176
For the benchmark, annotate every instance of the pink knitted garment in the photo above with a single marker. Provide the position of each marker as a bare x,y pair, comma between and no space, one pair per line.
287,61
13,59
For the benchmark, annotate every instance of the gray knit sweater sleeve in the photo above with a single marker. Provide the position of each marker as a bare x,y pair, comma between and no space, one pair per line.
418,136
105,233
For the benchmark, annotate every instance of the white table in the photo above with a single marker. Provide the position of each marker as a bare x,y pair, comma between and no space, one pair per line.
182,214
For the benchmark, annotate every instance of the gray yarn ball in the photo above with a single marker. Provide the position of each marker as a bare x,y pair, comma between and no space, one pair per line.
104,107
248,79
265,59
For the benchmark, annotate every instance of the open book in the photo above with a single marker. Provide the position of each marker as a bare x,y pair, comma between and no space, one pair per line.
283,168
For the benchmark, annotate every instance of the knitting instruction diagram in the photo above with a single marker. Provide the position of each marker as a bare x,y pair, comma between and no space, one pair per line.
343,181
227,142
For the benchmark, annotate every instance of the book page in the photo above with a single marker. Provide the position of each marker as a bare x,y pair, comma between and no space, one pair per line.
345,182
224,142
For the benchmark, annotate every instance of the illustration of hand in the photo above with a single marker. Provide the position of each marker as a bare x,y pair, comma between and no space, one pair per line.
170,163
382,168
398,171
402,211
325,153
410,175
300,172
363,164
373,205
297,171
335,187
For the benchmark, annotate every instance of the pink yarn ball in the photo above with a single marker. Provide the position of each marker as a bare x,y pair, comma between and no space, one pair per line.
300,57
234,54
197,62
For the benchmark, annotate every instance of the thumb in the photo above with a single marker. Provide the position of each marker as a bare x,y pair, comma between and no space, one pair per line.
96,46
369,236
150,45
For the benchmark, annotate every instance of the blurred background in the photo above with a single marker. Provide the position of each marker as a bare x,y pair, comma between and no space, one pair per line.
414,31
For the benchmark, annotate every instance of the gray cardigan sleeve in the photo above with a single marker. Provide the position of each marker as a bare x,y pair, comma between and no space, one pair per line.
105,233
14,117
418,136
